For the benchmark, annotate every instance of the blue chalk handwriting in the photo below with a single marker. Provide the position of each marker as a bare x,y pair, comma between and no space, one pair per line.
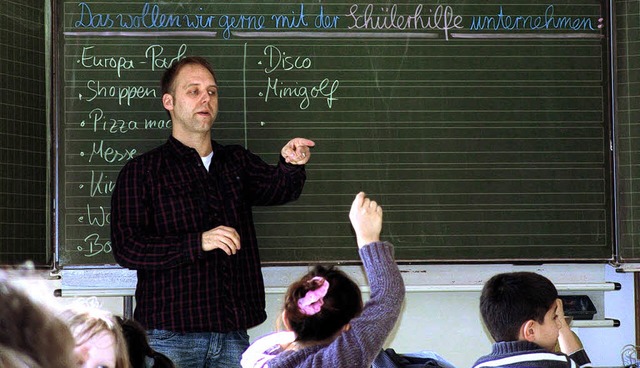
320,20
150,17
243,22
88,19
546,21
293,21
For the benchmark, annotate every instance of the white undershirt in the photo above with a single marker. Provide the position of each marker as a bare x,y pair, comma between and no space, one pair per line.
206,160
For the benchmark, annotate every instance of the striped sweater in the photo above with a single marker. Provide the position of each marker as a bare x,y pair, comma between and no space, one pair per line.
518,354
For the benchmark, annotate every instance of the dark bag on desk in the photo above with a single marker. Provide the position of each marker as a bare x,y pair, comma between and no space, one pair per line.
388,358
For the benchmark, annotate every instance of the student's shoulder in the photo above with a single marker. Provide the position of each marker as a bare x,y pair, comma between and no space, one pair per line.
520,354
524,359
267,348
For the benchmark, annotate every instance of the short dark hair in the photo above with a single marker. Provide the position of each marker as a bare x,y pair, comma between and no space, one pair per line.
169,76
510,299
138,345
342,302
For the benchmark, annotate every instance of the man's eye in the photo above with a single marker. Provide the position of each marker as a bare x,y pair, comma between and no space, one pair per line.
213,93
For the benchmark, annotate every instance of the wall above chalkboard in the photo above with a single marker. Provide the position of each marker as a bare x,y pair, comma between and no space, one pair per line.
482,128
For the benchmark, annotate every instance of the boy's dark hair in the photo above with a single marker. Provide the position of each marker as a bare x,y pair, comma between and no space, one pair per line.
342,302
510,299
169,76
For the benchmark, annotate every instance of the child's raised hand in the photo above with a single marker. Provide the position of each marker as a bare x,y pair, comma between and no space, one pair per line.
366,219
560,312
568,341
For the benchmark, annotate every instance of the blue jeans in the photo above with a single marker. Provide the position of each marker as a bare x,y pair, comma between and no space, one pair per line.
200,349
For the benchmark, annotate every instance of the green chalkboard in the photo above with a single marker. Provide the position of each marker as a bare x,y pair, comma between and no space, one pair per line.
627,128
482,127
24,191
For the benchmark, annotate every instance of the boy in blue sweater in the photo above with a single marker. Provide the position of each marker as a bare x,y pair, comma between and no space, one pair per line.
525,317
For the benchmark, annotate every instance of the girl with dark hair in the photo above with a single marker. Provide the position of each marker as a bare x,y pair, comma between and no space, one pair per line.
326,323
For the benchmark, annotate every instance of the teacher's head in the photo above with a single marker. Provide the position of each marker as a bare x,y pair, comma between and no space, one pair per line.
190,96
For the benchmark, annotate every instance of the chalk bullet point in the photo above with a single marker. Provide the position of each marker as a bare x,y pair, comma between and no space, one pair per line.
262,123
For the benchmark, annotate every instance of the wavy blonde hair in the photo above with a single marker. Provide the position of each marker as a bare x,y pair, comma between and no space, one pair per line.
87,322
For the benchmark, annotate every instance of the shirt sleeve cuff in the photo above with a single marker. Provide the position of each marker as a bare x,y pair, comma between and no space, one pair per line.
580,357
193,250
287,167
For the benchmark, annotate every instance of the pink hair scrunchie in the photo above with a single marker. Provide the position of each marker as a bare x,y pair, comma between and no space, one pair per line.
313,299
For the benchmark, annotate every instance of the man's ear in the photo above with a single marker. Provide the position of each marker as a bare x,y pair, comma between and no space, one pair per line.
528,331
167,101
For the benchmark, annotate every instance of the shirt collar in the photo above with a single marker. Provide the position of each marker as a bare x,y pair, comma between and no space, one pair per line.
510,347
186,151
